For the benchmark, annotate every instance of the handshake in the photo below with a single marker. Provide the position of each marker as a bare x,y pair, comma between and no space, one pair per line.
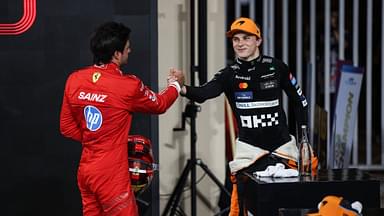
176,75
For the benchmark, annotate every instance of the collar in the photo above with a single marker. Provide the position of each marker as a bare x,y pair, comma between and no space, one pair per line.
246,65
249,63
110,66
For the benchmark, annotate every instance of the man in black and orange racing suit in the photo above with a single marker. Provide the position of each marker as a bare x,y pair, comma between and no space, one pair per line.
97,111
253,85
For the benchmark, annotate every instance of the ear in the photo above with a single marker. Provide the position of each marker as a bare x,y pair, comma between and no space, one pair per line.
116,55
259,41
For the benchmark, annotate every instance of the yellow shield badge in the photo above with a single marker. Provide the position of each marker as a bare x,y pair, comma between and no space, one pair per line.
96,76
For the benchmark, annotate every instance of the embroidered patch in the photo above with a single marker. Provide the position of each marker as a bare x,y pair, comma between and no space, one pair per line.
257,104
93,118
263,120
96,76
248,95
243,85
268,84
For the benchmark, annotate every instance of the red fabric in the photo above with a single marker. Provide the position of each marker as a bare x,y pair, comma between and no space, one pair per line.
97,111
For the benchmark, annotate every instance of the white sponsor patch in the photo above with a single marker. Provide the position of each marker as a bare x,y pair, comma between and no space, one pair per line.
304,102
257,121
257,104
268,75
299,91
266,60
92,97
235,67
242,77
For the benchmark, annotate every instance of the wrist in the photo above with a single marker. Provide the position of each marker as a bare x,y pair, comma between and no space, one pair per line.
183,91
176,85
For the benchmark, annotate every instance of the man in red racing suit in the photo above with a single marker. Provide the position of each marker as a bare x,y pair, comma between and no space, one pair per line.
97,111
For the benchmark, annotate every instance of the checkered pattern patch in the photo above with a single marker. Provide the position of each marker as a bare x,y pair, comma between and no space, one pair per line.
263,120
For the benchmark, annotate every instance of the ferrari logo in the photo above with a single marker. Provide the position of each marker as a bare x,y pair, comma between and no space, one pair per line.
96,76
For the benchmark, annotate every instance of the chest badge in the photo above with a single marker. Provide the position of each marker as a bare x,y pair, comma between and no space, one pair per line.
96,76
243,85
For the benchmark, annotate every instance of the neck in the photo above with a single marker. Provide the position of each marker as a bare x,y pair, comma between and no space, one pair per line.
116,62
251,57
248,60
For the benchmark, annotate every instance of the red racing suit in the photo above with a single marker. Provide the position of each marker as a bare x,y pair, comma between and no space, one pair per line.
97,111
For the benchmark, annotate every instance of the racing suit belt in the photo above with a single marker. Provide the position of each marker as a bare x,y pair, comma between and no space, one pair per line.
247,154
288,151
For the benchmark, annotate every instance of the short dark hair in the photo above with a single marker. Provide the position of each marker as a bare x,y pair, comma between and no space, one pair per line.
108,38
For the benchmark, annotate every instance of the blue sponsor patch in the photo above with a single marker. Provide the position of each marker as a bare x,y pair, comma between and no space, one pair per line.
247,95
93,118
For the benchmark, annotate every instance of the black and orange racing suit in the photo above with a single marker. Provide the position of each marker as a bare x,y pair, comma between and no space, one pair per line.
254,90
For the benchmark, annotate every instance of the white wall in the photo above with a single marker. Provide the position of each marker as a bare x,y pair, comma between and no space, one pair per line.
174,50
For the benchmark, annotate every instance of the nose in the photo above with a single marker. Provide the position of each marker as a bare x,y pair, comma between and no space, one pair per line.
240,43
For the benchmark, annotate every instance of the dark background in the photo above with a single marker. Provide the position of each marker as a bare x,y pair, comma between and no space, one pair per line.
38,166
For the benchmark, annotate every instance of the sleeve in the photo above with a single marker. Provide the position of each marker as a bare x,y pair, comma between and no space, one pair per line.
209,90
147,101
68,125
295,95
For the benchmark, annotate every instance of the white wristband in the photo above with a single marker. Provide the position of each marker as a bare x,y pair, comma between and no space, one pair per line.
176,85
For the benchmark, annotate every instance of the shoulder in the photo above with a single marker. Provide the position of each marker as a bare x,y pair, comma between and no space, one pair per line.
82,71
227,71
274,62
77,73
271,60
134,81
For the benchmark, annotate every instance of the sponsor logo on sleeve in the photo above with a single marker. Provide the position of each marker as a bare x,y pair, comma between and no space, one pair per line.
151,95
299,91
93,118
293,81
303,101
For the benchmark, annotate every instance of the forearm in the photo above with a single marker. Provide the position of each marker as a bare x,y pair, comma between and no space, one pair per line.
202,93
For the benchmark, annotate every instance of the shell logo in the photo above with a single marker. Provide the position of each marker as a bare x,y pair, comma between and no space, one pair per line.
243,85
25,22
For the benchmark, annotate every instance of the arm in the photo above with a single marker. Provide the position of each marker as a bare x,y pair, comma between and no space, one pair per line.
295,95
148,101
68,126
209,90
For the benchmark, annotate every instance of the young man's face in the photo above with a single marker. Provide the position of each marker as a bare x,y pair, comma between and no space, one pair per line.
246,46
